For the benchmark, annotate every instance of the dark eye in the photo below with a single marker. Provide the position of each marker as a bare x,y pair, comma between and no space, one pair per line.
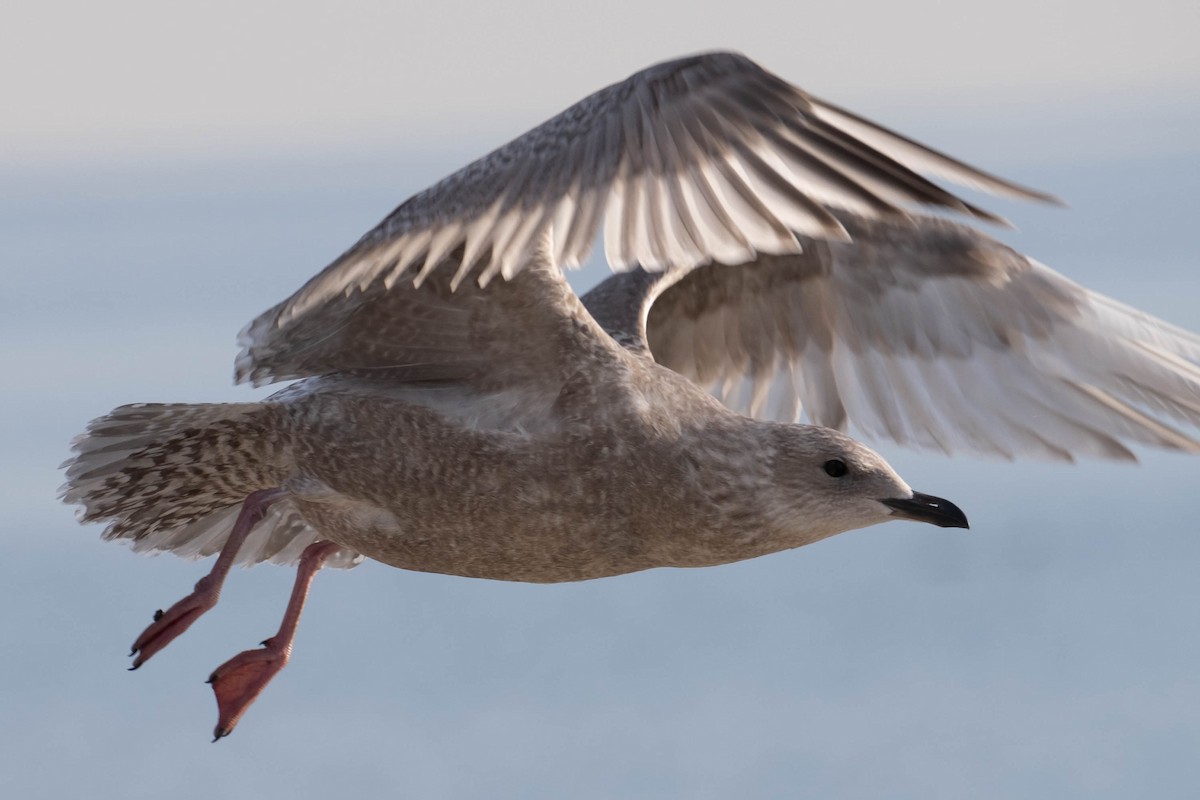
836,468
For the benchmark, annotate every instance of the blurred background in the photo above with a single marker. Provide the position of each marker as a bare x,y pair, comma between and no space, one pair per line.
166,173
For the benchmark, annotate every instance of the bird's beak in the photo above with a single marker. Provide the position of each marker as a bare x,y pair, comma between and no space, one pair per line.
927,508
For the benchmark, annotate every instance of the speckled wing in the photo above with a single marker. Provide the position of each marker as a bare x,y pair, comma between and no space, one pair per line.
708,157
930,334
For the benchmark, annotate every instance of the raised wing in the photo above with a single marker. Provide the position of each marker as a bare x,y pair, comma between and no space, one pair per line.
525,333
690,160
930,334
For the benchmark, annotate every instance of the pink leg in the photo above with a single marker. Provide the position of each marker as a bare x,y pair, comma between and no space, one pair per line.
179,617
238,682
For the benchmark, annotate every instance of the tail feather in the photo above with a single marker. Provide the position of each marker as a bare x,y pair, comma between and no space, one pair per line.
172,477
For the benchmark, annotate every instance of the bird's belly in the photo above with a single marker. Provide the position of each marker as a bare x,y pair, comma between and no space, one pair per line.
541,545
427,493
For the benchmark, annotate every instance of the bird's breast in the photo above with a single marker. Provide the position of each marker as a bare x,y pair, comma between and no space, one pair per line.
417,489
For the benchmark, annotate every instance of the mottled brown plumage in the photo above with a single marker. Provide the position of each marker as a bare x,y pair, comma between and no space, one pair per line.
447,422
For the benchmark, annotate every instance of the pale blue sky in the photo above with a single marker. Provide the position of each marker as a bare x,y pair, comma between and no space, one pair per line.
164,178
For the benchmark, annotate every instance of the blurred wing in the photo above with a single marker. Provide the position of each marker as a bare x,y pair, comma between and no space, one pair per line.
930,334
690,160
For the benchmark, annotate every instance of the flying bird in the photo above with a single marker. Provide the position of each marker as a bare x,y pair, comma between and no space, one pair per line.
456,408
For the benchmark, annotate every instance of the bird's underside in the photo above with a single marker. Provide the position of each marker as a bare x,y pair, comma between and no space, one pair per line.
458,409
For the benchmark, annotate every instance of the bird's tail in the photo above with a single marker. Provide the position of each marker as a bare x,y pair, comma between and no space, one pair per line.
173,477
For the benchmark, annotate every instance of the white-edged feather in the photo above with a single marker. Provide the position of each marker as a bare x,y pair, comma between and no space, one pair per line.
701,158
933,335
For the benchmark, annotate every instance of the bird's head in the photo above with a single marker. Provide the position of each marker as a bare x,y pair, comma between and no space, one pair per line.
829,483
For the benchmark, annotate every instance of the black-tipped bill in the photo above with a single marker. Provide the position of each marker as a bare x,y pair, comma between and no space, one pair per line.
927,508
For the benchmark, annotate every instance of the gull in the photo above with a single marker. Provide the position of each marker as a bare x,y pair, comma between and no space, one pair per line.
454,407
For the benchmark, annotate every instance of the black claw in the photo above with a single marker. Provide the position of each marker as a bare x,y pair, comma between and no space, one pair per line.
132,652
212,678
219,734
264,643
158,615
135,666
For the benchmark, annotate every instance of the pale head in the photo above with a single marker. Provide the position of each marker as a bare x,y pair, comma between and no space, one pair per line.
828,483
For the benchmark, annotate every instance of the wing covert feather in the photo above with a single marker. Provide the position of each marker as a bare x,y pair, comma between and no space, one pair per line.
700,158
